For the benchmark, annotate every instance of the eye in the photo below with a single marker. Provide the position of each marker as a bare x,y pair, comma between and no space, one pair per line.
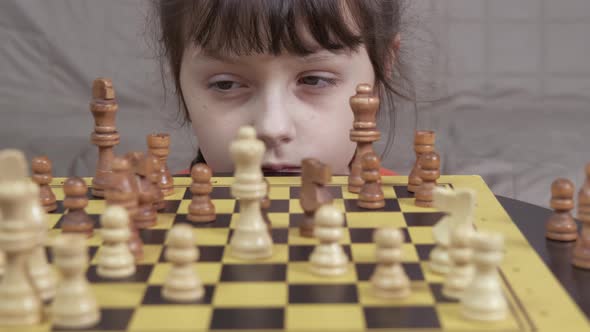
316,81
225,85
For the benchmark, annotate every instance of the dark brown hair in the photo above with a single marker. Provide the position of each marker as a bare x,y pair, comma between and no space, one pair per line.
270,26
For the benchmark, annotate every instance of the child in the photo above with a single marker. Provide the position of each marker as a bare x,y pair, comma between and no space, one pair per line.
288,68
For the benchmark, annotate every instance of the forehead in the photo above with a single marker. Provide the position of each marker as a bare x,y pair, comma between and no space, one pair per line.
236,28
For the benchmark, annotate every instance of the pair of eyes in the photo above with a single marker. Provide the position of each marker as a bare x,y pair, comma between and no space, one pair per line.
313,81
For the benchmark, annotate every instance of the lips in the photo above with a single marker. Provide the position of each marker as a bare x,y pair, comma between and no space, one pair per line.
286,168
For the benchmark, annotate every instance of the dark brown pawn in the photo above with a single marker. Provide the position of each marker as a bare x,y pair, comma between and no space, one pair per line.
201,209
159,146
147,214
371,195
41,167
105,135
581,254
429,173
315,175
364,105
423,142
76,220
561,225
265,205
122,191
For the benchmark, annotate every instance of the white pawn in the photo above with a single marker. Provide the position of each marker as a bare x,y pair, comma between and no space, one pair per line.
20,304
75,305
115,260
328,257
251,239
462,269
182,283
389,279
483,299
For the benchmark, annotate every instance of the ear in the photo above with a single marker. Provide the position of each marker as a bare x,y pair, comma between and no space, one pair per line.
394,47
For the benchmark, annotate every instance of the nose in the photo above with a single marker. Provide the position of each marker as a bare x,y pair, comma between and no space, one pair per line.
274,122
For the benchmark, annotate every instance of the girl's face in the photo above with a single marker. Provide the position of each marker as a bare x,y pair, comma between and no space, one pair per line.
299,105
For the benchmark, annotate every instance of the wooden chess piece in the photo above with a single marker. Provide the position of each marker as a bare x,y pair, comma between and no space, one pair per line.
250,239
159,146
201,209
41,167
364,132
265,205
315,175
19,302
74,306
76,220
483,299
462,269
389,280
429,171
423,143
581,253
104,108
154,178
122,190
182,283
147,214
561,225
328,257
371,194
115,260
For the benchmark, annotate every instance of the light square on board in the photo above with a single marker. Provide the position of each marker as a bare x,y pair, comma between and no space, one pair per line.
333,317
420,296
209,273
381,219
118,295
250,294
176,318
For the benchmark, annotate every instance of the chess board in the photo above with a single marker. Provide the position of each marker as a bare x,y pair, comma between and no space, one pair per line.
280,294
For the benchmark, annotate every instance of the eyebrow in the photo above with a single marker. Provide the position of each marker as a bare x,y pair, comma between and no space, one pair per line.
316,55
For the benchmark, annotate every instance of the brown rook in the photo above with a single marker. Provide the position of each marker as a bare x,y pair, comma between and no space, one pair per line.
159,146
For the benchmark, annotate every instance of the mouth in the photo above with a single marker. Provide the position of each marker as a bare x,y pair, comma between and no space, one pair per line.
281,168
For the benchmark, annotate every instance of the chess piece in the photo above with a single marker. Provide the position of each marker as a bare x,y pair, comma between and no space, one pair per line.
561,225
389,279
429,171
74,306
2,263
41,167
159,146
462,270
328,257
264,206
19,302
364,132
201,208
182,283
104,108
459,206
483,299
115,260
581,253
122,190
371,194
423,143
147,214
315,175
154,178
76,220
250,239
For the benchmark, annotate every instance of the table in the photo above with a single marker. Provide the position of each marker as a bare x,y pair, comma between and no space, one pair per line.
531,219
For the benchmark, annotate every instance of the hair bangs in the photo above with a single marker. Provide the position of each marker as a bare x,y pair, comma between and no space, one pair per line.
241,27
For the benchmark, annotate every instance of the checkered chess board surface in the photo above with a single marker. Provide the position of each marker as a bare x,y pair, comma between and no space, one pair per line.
279,293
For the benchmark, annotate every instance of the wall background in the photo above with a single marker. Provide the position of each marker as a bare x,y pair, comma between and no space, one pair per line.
510,80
